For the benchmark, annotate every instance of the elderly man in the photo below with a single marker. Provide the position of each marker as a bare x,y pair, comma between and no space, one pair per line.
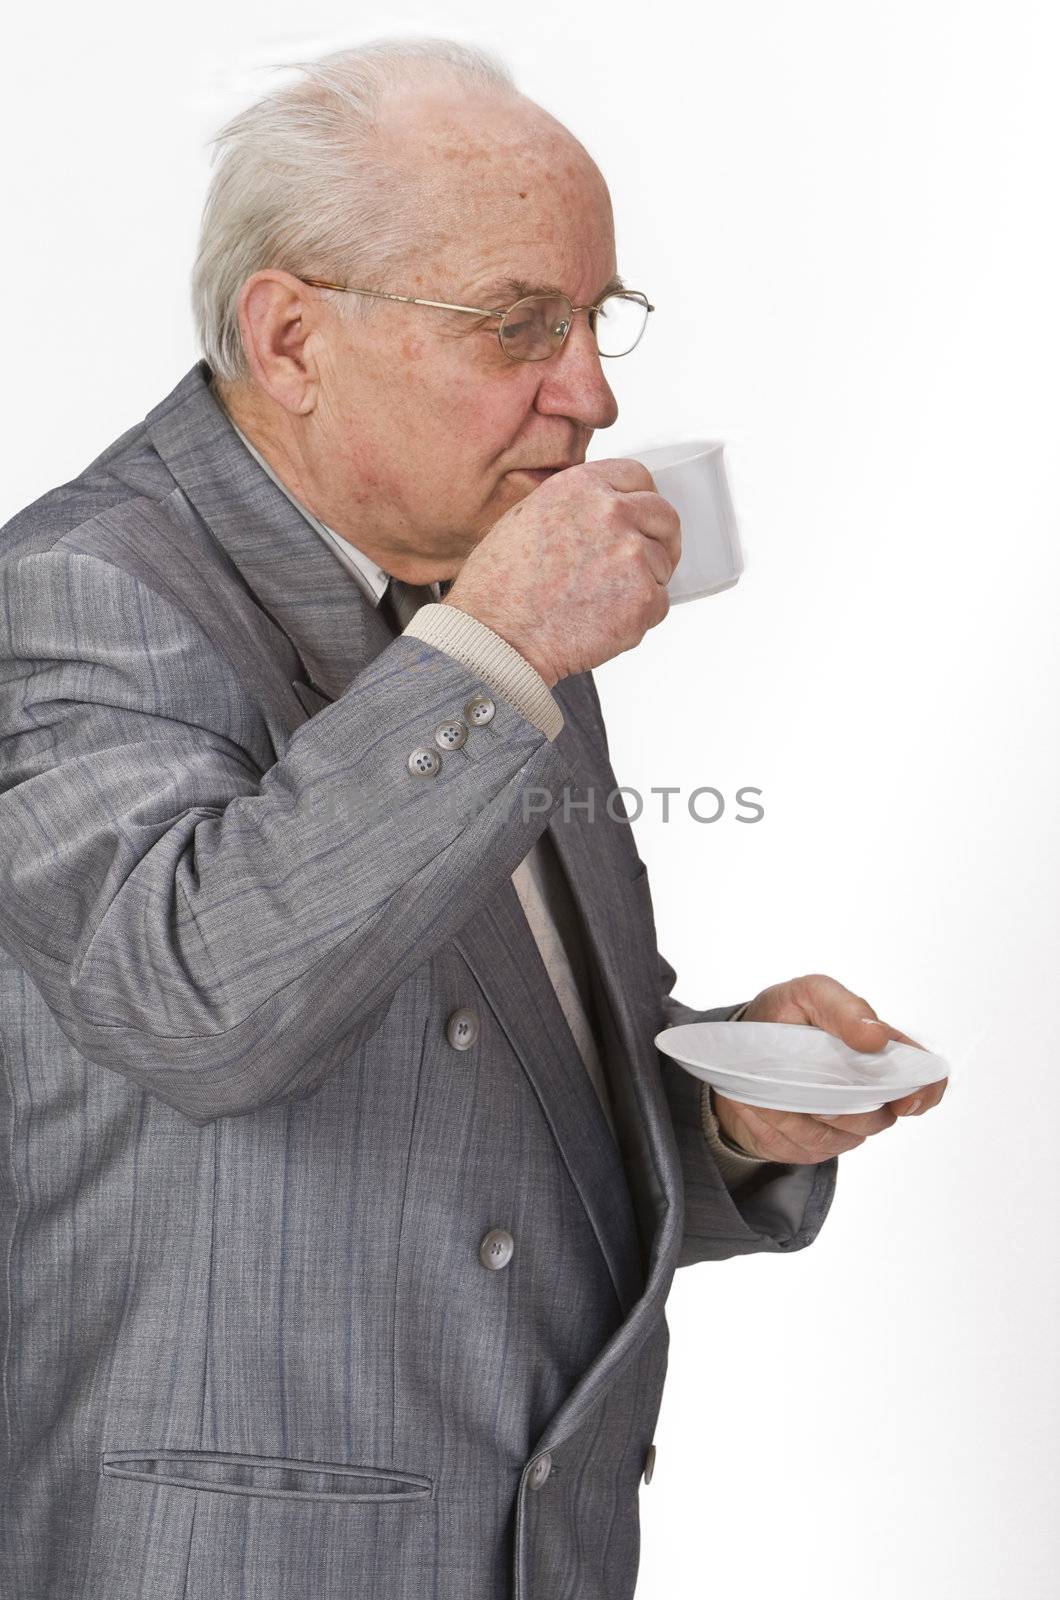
343,1183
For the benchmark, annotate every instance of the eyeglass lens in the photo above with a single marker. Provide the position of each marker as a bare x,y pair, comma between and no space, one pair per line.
534,328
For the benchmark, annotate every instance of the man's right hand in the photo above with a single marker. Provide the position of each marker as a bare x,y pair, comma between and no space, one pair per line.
577,571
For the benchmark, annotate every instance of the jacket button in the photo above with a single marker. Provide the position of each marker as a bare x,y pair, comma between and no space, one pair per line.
539,1471
495,1251
649,1463
450,735
480,710
462,1028
424,763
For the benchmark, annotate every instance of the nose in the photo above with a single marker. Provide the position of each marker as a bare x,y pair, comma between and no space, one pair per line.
573,383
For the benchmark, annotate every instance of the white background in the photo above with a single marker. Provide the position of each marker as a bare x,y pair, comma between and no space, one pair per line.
846,215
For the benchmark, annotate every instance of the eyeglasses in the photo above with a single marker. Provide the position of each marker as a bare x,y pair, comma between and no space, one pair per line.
534,328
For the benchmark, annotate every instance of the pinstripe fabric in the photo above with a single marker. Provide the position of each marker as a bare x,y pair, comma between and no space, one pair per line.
248,1345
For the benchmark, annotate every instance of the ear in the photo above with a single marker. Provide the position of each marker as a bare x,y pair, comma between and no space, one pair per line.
281,323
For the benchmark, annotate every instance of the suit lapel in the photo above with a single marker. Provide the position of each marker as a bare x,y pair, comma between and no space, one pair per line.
601,862
303,592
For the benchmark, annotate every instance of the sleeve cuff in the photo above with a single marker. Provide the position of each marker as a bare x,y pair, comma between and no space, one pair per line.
734,1164
490,658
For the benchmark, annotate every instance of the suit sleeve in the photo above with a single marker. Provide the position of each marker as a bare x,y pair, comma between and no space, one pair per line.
777,1207
219,925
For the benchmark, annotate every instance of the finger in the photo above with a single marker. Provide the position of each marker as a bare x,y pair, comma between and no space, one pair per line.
660,559
866,1031
911,1105
832,1007
920,1100
621,472
657,519
787,1136
657,560
903,1038
864,1122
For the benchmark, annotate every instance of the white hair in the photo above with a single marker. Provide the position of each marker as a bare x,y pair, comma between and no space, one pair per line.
303,184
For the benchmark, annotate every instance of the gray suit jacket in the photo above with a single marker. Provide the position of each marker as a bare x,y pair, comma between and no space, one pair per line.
249,1344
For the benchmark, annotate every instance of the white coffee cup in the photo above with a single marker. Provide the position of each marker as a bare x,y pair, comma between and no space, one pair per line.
692,477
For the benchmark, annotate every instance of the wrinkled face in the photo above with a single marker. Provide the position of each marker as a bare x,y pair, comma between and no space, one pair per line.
428,424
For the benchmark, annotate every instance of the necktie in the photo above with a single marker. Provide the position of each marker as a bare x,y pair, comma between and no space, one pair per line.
401,601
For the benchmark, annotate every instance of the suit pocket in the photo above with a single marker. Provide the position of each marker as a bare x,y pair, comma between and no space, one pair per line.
268,1477
210,1525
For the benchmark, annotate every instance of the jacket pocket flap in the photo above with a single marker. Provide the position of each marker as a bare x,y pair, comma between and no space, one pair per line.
227,1472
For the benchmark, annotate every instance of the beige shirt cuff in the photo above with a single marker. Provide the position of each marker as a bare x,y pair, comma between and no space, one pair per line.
734,1164
490,658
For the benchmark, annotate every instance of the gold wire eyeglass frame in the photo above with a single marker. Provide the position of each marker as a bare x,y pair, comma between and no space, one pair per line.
505,311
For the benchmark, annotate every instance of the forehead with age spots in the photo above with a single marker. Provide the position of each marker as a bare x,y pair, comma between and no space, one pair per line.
497,176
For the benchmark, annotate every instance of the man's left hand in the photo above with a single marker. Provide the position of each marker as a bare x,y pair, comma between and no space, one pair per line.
796,1136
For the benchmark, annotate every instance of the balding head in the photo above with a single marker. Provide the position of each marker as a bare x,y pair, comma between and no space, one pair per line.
493,174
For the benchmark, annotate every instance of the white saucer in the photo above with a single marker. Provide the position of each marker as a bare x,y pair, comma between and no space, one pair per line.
791,1066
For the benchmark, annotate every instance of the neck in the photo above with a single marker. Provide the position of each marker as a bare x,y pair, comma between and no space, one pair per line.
273,438
279,440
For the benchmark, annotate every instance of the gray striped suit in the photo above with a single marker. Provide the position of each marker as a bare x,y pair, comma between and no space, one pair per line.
249,1345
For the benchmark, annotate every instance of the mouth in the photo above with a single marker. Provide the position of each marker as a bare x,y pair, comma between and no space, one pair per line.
539,474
